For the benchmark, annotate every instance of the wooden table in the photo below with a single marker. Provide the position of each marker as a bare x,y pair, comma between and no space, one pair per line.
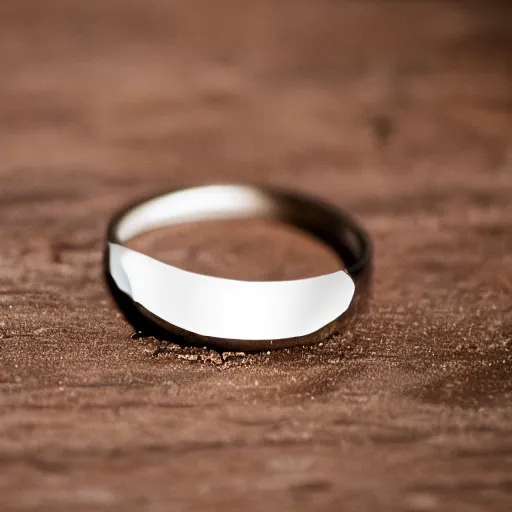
399,111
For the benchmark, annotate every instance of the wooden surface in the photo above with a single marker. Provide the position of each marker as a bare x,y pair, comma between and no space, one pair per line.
401,111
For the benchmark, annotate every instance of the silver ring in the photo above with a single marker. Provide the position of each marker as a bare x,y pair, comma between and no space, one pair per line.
228,314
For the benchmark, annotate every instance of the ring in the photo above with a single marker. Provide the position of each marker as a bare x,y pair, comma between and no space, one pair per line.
171,303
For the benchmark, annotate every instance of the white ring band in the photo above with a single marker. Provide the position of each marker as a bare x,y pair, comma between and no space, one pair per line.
219,308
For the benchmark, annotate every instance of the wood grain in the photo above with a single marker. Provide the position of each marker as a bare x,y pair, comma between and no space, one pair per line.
399,111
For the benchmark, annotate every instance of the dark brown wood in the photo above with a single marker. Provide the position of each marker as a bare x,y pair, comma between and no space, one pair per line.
399,111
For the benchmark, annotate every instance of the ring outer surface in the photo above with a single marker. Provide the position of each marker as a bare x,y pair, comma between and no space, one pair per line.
149,324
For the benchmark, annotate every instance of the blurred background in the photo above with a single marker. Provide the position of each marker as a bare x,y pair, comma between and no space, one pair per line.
399,111
336,95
